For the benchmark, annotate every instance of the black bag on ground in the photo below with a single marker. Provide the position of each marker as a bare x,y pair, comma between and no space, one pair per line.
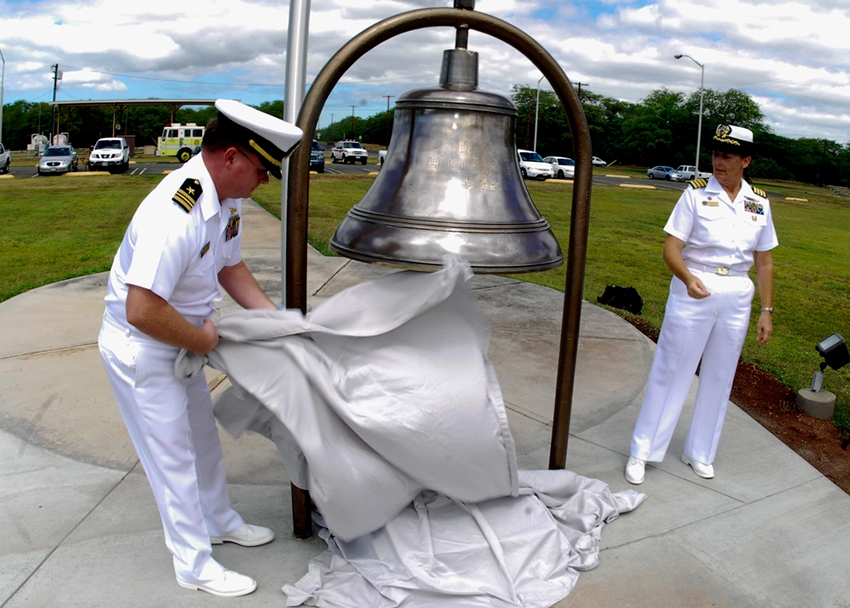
624,298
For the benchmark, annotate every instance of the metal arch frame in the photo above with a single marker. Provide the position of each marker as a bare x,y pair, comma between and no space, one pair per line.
295,288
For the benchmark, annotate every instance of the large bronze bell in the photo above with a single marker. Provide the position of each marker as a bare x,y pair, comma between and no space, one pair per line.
451,183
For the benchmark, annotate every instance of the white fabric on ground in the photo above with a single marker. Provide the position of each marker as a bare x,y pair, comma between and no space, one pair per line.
514,551
384,405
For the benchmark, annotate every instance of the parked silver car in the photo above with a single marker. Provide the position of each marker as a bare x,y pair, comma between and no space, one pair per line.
662,172
563,167
58,159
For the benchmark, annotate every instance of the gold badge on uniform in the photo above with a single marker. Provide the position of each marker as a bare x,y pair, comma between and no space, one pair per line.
188,194
204,249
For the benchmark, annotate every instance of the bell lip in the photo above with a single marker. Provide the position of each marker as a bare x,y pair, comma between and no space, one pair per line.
427,266
485,252
445,225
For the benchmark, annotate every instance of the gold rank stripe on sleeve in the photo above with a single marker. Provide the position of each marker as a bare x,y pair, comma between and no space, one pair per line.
759,191
698,183
188,194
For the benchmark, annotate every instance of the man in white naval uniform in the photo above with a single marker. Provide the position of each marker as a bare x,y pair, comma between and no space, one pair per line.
182,245
718,229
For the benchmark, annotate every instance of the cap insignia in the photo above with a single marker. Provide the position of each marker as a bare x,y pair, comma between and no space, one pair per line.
188,194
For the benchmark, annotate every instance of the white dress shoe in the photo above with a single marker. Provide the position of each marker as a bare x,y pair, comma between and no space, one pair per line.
635,470
706,471
245,535
228,584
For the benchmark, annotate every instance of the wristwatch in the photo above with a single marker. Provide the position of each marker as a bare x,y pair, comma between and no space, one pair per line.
767,309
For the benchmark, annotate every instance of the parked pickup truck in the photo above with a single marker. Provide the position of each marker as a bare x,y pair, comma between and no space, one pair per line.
349,151
687,173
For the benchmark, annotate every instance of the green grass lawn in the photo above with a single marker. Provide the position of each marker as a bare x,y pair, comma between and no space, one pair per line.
61,227
58,228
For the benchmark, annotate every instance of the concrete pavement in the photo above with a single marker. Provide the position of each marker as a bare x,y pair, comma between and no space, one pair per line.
81,527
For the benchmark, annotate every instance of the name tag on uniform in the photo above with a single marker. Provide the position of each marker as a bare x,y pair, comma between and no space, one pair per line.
204,249
710,203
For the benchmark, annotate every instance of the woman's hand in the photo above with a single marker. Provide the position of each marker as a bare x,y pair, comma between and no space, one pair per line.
765,327
696,289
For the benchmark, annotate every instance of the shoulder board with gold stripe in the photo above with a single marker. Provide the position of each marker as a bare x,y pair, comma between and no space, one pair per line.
188,194
759,191
698,183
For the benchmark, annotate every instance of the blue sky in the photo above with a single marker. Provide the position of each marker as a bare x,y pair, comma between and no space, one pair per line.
791,57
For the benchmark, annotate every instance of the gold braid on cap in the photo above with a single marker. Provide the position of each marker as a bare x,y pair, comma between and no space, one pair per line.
263,153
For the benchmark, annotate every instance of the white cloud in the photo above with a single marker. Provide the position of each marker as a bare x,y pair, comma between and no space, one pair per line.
790,56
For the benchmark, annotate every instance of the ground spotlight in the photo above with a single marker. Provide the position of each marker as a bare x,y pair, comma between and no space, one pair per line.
833,349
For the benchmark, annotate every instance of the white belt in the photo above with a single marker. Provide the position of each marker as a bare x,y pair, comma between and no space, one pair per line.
723,271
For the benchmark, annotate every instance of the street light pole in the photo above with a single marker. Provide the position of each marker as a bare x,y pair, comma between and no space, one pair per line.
536,111
699,123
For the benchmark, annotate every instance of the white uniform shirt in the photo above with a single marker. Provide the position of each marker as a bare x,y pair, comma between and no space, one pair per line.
176,253
719,232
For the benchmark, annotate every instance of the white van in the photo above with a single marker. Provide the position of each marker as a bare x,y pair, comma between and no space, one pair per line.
531,166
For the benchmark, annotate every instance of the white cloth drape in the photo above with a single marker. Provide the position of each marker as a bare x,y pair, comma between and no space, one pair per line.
384,405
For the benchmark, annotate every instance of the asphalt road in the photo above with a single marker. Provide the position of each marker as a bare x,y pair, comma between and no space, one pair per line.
602,177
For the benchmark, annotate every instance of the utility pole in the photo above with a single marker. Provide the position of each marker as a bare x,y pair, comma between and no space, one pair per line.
387,121
56,76
2,86
352,121
579,85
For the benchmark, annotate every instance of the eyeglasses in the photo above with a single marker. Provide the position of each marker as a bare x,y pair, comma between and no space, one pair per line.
263,171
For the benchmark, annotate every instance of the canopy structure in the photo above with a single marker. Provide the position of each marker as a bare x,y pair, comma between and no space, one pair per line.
118,105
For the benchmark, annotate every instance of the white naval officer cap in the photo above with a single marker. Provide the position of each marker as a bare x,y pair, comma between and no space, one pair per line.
729,138
271,138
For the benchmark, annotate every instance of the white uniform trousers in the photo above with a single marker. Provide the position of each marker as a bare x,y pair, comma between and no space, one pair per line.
713,328
173,429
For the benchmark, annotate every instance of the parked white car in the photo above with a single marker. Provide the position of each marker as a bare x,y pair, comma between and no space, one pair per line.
563,167
598,162
5,159
531,166
110,153
687,172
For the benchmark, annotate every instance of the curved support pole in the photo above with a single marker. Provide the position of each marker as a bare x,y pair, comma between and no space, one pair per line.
299,178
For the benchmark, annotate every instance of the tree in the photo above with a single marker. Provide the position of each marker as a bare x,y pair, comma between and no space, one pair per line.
275,108
655,131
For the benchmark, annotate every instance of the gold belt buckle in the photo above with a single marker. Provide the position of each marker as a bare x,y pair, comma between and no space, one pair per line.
723,272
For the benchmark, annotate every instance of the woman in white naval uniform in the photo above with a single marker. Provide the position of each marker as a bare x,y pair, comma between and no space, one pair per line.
717,231
181,246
